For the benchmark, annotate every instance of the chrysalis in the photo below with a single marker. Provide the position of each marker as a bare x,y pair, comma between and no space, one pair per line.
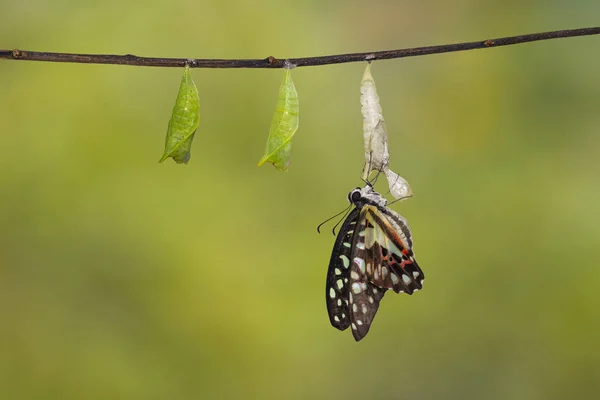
377,155
184,121
283,126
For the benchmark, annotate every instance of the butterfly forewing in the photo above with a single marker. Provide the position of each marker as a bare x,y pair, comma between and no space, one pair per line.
364,296
339,272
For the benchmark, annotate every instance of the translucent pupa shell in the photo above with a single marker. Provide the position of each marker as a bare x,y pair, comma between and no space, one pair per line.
399,187
377,155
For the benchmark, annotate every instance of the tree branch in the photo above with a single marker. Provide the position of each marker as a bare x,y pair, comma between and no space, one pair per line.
272,62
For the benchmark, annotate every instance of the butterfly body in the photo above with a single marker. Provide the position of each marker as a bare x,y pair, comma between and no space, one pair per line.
372,254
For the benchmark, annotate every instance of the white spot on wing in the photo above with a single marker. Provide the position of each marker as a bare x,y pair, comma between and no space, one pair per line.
405,279
361,264
395,278
356,288
345,260
340,284
332,293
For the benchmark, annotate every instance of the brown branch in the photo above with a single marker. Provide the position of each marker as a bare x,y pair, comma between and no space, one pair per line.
272,62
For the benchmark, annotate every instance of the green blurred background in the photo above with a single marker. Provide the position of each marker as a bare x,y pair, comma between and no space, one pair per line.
122,278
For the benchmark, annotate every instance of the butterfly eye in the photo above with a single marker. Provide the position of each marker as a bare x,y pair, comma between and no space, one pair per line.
355,196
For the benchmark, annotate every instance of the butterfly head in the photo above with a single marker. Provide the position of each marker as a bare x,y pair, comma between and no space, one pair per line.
367,195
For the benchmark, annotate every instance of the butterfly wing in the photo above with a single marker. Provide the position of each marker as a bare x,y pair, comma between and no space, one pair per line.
388,243
372,254
363,295
339,272
381,259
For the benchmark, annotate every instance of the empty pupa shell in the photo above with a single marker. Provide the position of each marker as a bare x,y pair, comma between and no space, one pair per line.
399,187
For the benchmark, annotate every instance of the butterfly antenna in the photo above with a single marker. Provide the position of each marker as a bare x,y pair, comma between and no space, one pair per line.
330,218
341,219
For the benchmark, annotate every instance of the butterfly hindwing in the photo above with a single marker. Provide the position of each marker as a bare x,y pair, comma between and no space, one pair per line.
407,260
387,237
339,272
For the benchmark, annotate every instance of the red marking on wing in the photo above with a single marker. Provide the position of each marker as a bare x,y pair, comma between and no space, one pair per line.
389,230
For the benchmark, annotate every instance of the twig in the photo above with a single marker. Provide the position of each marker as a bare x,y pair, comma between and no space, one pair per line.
272,62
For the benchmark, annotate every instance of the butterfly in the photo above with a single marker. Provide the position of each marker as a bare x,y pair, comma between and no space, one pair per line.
372,254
